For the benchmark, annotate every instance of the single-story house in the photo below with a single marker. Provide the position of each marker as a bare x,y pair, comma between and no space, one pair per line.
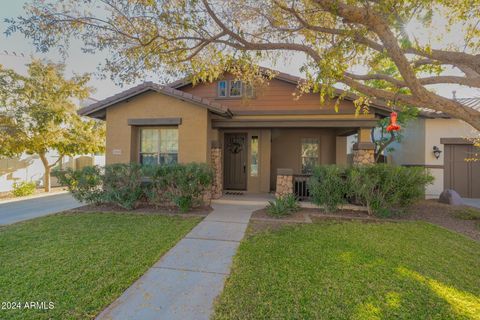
442,144
256,139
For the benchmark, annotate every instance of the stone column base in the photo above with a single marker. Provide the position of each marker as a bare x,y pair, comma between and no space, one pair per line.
363,153
284,182
216,160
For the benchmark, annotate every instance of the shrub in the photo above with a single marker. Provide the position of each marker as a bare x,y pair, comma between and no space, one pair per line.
126,184
383,187
85,185
328,187
183,185
122,184
283,206
23,188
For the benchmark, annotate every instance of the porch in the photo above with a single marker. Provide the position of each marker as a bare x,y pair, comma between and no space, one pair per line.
280,160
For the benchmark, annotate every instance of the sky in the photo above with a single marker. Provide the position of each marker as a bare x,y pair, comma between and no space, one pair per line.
16,51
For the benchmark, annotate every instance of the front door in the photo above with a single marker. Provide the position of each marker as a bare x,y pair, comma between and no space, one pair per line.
235,161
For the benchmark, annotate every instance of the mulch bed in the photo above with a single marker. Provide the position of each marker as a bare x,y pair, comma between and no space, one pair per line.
444,215
144,209
296,217
426,210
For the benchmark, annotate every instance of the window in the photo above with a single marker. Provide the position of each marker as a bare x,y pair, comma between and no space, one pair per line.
235,88
249,92
310,149
158,146
254,156
222,88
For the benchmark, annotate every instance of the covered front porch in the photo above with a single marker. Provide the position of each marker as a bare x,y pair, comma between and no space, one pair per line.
268,160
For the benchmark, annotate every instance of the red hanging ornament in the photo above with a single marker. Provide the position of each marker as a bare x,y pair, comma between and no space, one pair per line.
393,126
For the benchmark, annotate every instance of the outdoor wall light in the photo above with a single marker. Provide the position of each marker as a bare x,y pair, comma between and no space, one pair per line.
436,152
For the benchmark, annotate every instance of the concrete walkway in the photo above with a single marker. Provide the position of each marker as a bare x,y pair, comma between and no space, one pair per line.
19,210
185,281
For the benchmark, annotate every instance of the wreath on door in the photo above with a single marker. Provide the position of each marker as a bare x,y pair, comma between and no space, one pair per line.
235,146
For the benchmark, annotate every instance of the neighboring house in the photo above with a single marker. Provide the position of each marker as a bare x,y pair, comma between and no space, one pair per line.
436,131
30,168
249,135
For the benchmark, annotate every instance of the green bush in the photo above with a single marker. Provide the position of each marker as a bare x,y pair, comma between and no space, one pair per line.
183,185
283,206
328,187
85,185
125,185
23,188
122,184
383,188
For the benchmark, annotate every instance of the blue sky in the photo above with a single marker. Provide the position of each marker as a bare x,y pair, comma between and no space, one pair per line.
16,51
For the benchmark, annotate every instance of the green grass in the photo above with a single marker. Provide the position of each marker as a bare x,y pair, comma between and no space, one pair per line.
80,262
354,270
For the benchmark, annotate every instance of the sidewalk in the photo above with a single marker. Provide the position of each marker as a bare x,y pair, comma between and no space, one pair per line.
184,283
34,207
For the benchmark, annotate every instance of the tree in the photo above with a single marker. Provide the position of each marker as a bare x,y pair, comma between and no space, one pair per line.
37,115
382,139
337,37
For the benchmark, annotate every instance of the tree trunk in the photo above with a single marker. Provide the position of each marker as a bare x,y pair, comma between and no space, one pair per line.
46,179
46,175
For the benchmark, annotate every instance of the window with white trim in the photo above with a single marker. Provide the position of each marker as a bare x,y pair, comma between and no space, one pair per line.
222,88
235,88
310,154
158,146
249,91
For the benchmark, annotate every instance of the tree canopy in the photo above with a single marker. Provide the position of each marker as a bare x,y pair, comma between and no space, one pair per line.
38,115
346,41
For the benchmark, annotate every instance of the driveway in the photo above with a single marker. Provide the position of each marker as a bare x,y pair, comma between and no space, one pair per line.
12,212
472,202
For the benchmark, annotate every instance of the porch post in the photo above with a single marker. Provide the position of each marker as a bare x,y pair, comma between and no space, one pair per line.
284,182
216,160
364,149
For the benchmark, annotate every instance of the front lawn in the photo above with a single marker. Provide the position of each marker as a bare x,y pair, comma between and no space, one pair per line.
354,270
79,262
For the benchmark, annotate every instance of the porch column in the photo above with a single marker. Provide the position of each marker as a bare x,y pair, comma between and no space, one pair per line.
216,161
364,149
284,182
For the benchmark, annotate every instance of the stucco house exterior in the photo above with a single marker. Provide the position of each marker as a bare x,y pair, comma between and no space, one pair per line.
452,137
256,139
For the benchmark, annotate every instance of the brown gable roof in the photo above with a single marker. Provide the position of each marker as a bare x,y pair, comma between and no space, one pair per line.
97,109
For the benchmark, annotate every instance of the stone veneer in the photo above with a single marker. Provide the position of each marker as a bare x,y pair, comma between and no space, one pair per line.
216,161
363,153
284,182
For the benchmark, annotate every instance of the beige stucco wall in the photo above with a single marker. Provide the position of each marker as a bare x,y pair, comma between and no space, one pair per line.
417,147
286,148
435,130
193,132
